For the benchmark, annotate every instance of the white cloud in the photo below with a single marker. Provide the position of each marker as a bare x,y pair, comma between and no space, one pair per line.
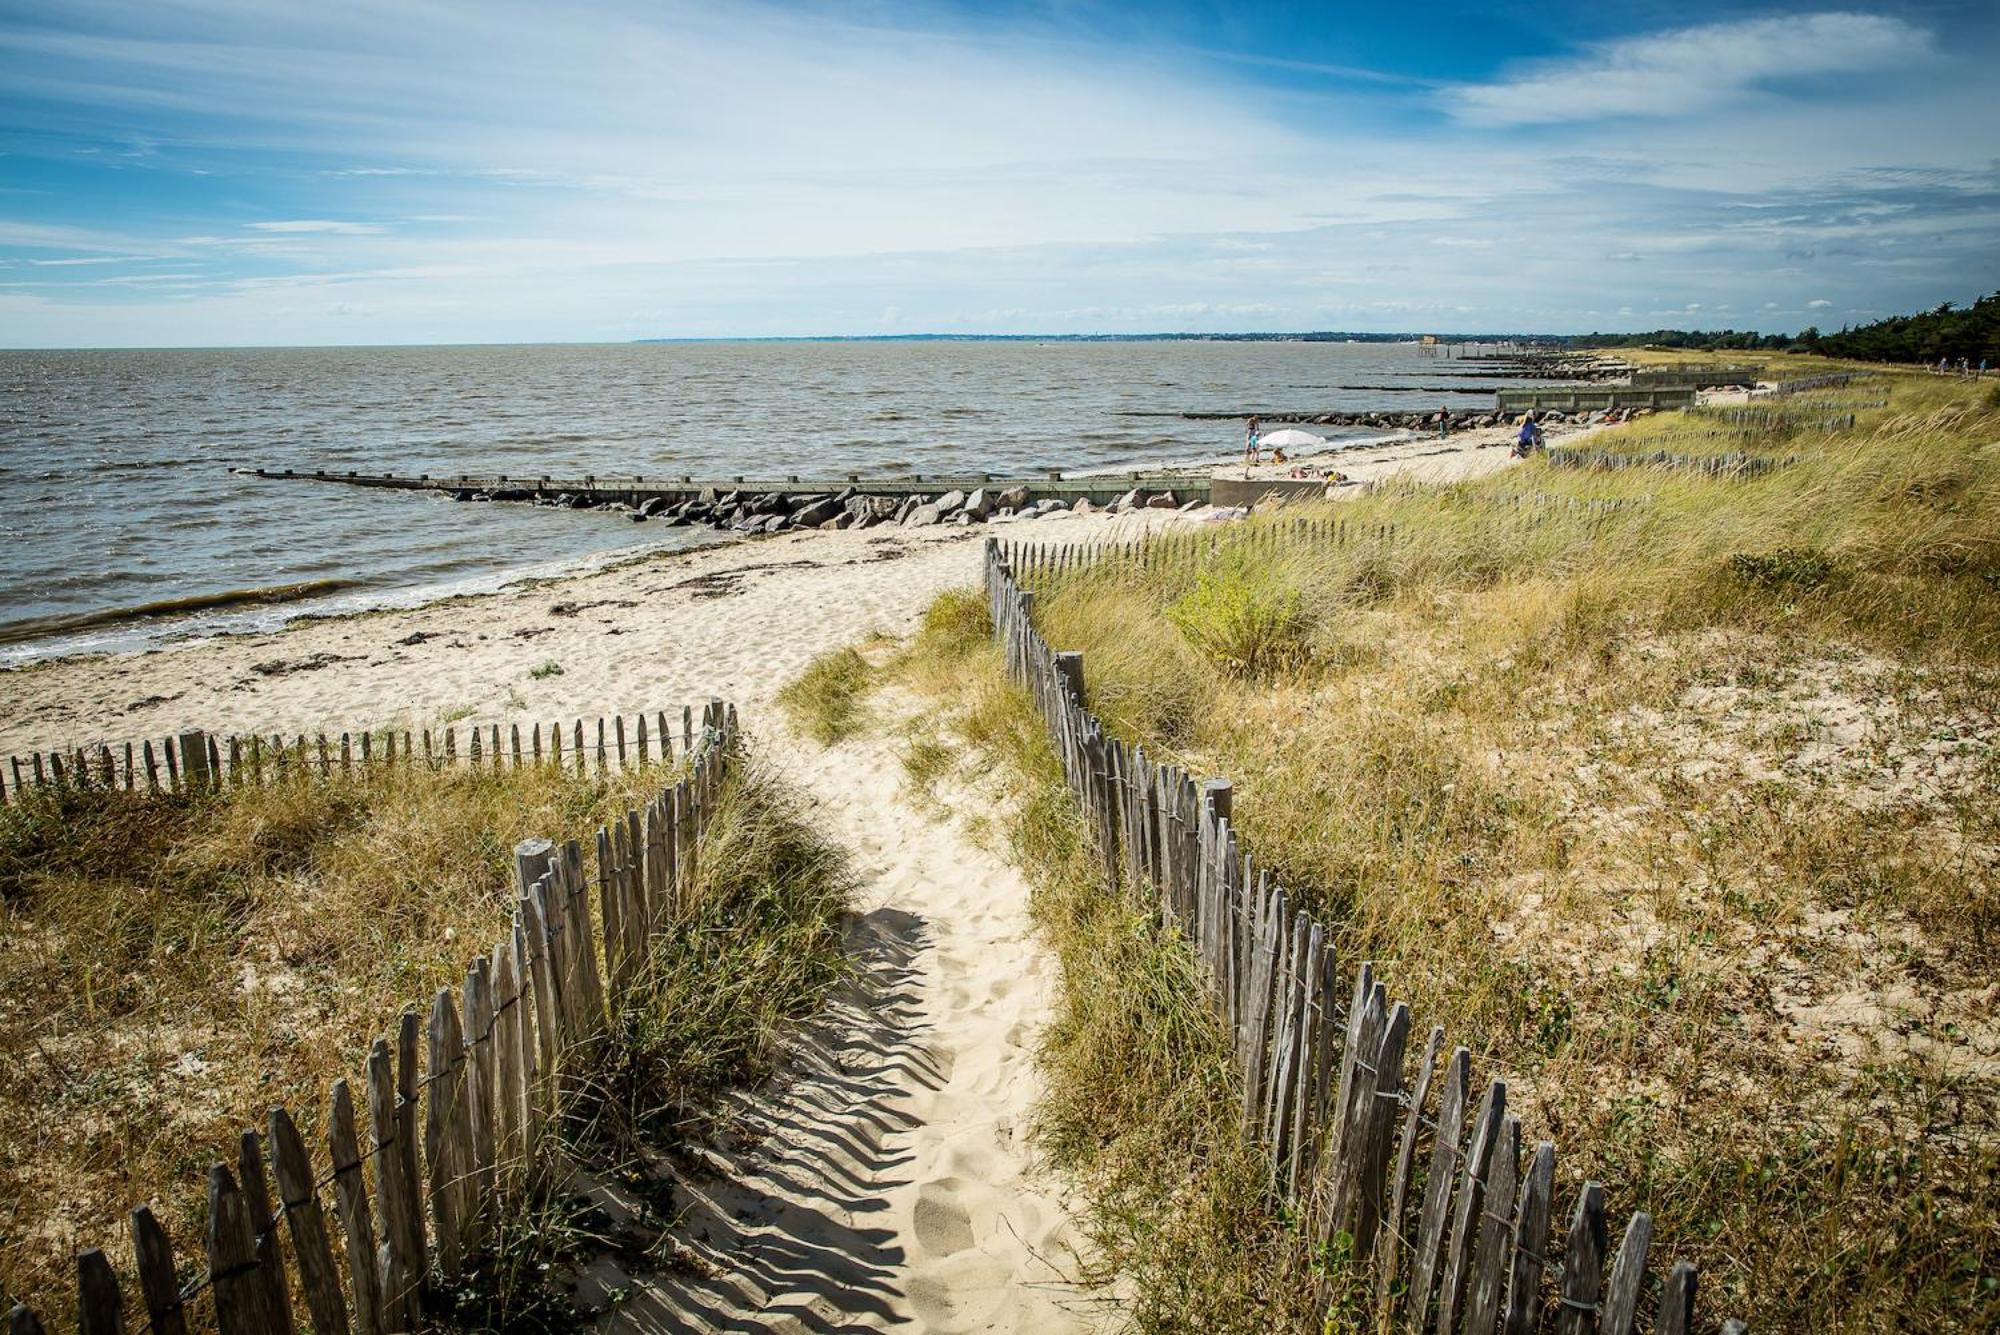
1689,70
1818,305
325,225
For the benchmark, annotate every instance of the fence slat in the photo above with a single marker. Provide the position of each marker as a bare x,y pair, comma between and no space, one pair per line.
307,1226
445,1169
242,1295
479,1098
1471,1196
1495,1230
1385,1085
1583,1264
350,1195
1388,1256
409,1112
399,1270
610,853
159,1286
1628,1277
1676,1301
509,1073
100,1308
257,1195
1531,1235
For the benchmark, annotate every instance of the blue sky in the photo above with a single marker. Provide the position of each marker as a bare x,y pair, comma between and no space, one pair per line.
382,171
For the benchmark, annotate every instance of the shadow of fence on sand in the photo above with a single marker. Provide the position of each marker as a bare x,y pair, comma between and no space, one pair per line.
770,1225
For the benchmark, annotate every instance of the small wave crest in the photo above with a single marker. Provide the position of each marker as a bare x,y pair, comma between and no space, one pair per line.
35,628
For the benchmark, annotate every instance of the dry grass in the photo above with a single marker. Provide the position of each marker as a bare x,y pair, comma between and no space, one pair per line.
172,965
1685,812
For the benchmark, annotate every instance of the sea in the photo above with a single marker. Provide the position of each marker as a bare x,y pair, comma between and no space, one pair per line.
123,502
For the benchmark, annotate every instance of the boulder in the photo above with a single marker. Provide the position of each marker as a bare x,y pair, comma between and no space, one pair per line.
1084,507
1164,501
651,506
708,497
773,523
921,516
812,516
950,503
638,516
1014,498
1129,501
963,519
980,503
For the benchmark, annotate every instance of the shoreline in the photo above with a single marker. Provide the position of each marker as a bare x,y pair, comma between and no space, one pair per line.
736,619
223,614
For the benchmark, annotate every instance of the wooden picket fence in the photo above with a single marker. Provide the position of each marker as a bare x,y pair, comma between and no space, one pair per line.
1777,419
1190,548
1420,1180
1784,389
199,759
460,1106
1715,465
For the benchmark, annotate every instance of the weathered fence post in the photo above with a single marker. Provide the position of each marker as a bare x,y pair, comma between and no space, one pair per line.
194,768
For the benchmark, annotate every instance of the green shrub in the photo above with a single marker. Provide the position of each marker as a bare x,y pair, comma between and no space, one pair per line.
1244,623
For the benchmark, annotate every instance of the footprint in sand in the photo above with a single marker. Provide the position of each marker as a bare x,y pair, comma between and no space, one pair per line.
942,1226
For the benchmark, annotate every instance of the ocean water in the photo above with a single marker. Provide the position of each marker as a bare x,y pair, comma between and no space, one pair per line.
116,465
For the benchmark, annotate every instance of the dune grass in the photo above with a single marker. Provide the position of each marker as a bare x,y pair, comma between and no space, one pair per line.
1683,811
171,965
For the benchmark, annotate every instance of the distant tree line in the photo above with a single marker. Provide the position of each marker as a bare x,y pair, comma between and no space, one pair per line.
1950,332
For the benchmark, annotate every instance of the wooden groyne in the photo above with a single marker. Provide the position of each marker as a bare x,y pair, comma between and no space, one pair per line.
1097,487
747,505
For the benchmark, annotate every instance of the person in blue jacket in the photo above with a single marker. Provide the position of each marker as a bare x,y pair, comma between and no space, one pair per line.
1530,438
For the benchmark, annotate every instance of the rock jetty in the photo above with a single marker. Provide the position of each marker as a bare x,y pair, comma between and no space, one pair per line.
753,512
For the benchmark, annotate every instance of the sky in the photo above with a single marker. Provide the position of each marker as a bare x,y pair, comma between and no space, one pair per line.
237,172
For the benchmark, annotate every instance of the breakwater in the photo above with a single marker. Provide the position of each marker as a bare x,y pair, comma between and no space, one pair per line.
744,505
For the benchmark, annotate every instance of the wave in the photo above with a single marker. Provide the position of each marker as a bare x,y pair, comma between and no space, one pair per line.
34,628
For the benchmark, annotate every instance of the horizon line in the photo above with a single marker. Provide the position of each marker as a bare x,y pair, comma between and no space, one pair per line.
1164,336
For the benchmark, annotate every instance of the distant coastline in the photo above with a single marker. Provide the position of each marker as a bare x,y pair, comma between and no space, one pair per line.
1302,336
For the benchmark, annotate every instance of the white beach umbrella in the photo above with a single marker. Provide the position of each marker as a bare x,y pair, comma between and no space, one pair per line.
1290,438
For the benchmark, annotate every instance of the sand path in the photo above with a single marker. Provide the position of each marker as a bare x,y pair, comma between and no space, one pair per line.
885,1179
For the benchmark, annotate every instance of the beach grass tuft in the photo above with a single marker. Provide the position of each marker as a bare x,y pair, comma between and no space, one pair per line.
825,700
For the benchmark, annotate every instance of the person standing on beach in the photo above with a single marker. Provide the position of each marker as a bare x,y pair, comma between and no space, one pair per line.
1444,423
1252,453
